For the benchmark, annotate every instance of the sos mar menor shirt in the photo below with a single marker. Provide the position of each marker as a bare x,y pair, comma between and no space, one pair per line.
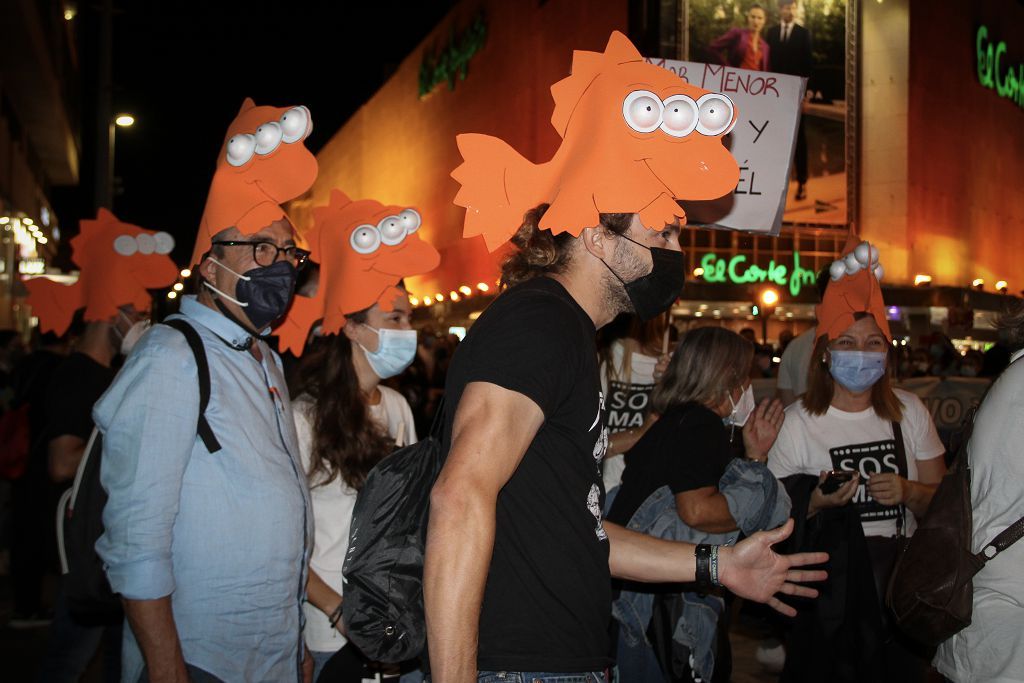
627,381
861,441
547,599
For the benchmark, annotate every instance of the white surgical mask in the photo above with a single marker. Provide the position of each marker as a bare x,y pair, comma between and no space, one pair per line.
741,410
132,336
135,331
396,350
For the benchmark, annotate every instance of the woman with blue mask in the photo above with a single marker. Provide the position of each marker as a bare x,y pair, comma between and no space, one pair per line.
350,327
347,421
882,441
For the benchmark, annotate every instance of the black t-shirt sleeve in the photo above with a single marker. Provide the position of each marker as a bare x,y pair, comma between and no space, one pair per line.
73,390
704,453
531,344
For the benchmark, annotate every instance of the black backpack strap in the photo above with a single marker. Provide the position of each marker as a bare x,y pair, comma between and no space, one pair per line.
195,343
904,471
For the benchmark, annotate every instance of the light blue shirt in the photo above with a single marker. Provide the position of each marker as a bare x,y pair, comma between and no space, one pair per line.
227,535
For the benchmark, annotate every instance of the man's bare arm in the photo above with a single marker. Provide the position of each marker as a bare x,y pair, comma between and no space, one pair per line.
64,453
152,623
750,569
493,428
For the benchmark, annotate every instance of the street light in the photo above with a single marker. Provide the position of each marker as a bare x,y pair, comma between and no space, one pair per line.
768,298
105,186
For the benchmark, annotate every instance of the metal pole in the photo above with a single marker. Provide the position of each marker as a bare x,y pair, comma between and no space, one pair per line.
104,110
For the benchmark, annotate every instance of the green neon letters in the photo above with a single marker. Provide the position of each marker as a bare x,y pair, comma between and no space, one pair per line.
1008,83
736,271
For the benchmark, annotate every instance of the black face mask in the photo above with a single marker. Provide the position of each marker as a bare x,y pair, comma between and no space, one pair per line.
263,292
654,293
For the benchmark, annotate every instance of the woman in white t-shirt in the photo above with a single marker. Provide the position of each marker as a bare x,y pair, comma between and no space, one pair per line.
346,422
846,421
629,371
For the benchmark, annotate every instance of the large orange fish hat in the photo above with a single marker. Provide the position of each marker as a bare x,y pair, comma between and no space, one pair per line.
364,249
635,138
853,289
118,263
263,164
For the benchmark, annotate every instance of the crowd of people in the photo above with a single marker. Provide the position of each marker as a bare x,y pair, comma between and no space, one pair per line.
596,511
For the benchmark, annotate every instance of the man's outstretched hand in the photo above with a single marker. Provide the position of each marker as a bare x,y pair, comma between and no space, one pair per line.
754,571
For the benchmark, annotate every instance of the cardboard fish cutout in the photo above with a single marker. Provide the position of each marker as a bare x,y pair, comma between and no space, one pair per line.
262,164
854,289
635,138
364,249
118,263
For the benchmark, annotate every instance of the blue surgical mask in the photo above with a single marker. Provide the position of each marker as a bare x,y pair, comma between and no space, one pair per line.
857,371
396,350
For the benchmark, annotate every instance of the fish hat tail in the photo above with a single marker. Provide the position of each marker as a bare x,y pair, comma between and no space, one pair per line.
294,329
54,304
498,187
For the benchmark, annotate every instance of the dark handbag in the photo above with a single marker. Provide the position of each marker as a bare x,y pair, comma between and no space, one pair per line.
383,603
931,590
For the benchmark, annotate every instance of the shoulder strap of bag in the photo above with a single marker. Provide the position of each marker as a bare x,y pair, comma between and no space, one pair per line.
195,343
437,426
904,471
1004,540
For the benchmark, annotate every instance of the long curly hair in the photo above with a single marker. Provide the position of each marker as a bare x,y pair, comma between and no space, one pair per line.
347,442
539,252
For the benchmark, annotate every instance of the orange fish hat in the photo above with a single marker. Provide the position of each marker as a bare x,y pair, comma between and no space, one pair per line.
854,289
364,249
262,165
118,263
635,138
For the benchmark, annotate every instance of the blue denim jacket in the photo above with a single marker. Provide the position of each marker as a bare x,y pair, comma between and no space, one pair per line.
757,501
226,535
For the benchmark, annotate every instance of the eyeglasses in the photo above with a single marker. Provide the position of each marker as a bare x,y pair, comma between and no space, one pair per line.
266,253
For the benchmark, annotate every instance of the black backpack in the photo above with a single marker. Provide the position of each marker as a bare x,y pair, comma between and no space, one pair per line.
383,571
80,511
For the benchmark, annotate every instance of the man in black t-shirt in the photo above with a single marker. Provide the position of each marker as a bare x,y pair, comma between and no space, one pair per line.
519,559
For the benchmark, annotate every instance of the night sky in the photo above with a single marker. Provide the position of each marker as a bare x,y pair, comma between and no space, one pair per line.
183,68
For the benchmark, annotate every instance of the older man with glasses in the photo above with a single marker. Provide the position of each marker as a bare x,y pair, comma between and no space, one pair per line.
208,525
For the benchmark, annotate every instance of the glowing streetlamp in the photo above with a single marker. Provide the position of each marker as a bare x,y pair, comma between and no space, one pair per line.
768,298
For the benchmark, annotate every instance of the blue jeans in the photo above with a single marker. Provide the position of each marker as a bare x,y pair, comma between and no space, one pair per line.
539,677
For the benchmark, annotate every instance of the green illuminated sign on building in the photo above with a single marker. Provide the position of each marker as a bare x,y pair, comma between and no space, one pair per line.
736,271
1007,82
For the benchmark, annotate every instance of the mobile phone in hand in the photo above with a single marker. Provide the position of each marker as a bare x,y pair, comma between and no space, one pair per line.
834,480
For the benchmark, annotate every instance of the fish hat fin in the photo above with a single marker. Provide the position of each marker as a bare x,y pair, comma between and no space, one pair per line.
586,66
53,303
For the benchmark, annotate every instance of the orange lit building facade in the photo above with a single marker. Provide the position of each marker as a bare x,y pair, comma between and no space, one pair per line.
934,156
